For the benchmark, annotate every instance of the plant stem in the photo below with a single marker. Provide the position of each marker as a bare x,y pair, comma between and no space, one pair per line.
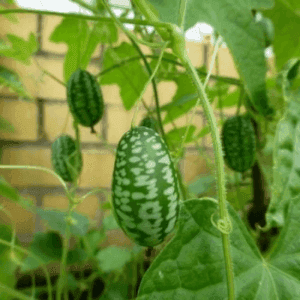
63,276
220,174
182,11
48,73
152,76
229,80
49,171
127,32
154,86
81,16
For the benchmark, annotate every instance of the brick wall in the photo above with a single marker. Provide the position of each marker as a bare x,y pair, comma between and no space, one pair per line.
39,122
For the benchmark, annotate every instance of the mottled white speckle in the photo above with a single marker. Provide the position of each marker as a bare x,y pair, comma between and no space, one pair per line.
146,227
150,164
170,225
156,146
173,197
150,210
133,138
169,191
124,216
125,200
168,176
152,194
134,159
117,200
120,163
126,193
137,150
150,139
126,181
126,208
171,214
159,153
136,171
142,180
122,172
138,196
121,153
165,160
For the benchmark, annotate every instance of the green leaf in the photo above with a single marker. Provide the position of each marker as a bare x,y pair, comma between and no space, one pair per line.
116,291
131,77
47,247
176,135
206,130
191,266
72,282
76,256
93,239
287,42
73,32
113,258
286,171
12,80
57,221
7,191
18,48
82,40
100,33
201,185
229,100
184,99
6,125
234,22
166,70
293,5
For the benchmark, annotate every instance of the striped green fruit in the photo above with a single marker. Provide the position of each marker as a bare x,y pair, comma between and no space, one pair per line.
65,162
85,99
239,144
145,188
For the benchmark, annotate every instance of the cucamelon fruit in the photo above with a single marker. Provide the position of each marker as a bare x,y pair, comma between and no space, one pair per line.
239,144
85,98
145,188
65,160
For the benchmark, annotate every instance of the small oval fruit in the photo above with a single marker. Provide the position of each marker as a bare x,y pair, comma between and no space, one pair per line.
145,193
65,162
239,143
85,98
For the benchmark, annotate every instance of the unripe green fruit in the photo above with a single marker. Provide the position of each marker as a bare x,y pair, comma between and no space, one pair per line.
145,188
65,160
239,143
85,98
